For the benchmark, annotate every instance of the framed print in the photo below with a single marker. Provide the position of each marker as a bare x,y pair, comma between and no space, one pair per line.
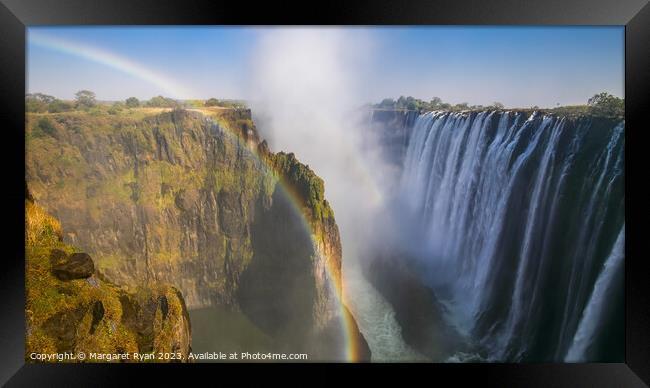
434,188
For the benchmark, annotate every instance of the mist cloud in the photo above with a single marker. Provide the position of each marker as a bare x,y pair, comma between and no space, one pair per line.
306,88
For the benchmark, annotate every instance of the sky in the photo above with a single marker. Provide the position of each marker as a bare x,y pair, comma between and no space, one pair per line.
517,66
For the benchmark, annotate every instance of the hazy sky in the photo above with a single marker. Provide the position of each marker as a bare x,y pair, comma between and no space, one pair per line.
518,66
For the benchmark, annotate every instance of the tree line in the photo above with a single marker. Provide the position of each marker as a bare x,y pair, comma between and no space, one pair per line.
87,100
601,104
436,103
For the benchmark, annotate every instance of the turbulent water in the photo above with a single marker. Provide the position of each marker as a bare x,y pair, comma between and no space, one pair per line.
520,222
376,318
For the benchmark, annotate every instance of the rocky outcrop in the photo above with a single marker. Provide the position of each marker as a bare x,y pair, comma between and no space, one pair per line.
74,266
72,308
197,201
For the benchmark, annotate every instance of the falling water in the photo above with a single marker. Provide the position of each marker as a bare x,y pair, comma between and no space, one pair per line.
596,307
519,216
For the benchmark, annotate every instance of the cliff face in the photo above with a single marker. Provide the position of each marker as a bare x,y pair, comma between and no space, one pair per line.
193,199
71,308
164,198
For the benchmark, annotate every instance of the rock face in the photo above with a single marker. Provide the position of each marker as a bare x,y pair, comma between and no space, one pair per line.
71,308
197,201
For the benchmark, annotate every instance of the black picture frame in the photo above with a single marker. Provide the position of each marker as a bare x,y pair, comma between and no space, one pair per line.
16,15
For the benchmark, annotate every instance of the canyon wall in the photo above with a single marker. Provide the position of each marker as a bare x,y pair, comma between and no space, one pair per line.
195,200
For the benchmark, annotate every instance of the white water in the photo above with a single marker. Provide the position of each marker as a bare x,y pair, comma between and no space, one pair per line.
516,216
375,317
588,327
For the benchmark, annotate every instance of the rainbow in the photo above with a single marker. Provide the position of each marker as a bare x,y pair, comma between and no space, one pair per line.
107,58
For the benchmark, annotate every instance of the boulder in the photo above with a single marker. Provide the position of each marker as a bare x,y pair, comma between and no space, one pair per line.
76,266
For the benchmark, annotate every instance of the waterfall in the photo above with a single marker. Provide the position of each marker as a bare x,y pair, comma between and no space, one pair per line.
597,303
518,218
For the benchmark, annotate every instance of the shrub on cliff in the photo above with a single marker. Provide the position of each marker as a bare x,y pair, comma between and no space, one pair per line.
44,127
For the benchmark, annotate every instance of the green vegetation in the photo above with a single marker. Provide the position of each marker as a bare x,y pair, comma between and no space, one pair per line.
116,108
59,106
44,127
604,104
132,102
235,104
308,187
41,103
411,103
85,99
162,102
38,102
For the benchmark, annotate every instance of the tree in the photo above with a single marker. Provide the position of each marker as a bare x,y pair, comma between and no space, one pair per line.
162,102
435,102
132,102
604,104
41,97
85,99
401,102
212,102
497,105
387,103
